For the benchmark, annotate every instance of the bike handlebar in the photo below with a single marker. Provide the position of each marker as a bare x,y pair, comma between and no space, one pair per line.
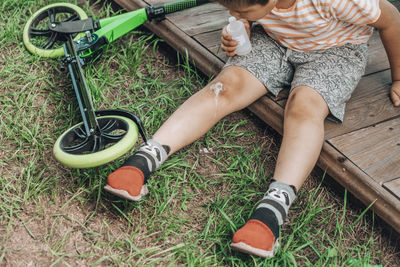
159,11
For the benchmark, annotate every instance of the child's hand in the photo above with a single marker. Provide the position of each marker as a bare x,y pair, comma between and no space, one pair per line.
395,93
227,43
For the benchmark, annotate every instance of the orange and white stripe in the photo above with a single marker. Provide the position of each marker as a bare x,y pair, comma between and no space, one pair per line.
311,25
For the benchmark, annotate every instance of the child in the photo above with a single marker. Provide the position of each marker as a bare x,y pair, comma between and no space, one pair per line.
318,48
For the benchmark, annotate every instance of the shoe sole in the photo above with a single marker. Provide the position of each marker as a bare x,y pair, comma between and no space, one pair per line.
125,195
243,247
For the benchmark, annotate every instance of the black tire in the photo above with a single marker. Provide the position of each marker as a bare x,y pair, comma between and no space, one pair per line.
37,37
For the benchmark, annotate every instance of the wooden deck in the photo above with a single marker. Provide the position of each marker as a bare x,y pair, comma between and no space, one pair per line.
362,153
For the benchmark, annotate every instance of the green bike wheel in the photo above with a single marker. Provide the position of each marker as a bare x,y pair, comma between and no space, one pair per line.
37,36
116,136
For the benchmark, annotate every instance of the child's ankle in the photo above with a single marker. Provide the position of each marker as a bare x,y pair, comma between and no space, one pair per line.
149,157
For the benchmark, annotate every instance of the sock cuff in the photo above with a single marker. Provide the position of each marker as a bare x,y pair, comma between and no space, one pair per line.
290,189
277,200
292,186
163,151
148,158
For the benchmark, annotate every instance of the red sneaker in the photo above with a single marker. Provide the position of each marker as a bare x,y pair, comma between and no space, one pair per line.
255,238
127,182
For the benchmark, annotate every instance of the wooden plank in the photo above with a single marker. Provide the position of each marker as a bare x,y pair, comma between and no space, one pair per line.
385,205
154,2
212,41
375,149
201,19
270,112
376,81
369,105
377,58
393,187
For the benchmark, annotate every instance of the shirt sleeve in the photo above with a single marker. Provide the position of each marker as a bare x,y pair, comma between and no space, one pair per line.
358,12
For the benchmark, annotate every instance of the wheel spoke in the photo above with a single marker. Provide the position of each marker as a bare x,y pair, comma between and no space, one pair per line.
80,133
96,144
109,126
112,138
37,32
51,41
82,147
52,15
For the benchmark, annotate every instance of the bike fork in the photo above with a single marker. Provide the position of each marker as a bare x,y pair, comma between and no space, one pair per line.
74,64
88,113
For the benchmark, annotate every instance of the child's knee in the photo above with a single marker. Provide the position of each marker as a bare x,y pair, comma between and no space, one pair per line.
228,85
305,103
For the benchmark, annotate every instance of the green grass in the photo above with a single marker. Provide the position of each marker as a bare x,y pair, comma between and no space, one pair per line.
52,215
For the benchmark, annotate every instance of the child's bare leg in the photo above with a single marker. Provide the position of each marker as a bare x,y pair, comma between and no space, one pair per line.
204,109
303,136
192,120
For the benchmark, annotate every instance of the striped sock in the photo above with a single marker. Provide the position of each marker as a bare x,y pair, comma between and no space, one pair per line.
148,158
274,206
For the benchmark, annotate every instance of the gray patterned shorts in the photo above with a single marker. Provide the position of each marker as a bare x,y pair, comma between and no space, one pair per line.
334,73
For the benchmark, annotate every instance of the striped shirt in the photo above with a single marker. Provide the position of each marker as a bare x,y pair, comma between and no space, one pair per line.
310,25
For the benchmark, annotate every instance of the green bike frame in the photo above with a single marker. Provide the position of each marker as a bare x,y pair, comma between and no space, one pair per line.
114,27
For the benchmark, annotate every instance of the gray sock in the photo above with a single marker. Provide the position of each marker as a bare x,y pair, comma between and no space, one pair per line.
278,199
158,153
274,206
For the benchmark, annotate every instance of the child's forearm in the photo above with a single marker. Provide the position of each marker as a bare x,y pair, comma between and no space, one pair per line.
391,40
389,30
